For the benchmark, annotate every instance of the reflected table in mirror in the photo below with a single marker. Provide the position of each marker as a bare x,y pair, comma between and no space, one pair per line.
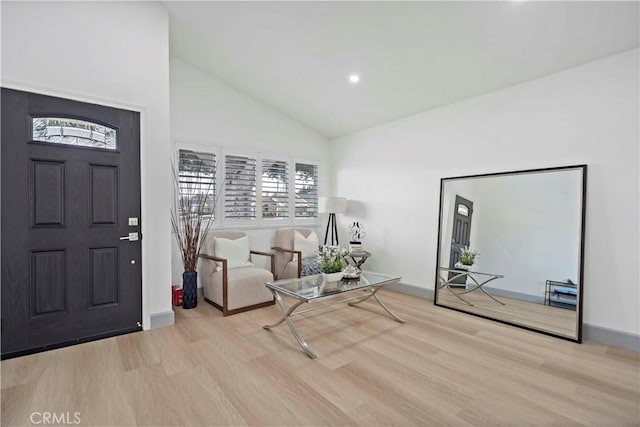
315,288
478,280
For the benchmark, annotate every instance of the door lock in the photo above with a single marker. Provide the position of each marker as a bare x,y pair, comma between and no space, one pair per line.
132,237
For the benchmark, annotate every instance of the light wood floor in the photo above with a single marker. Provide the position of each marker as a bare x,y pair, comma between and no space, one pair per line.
440,368
557,320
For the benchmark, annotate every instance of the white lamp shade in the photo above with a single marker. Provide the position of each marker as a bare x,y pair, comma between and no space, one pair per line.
336,205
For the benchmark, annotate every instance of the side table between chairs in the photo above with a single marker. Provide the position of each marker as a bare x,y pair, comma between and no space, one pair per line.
358,258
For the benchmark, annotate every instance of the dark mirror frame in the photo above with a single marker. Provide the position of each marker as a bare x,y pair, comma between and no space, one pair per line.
583,167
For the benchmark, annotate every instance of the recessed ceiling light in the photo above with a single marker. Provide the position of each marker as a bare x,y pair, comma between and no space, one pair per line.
354,78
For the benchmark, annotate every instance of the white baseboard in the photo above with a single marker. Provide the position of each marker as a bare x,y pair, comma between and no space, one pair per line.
160,320
611,337
415,291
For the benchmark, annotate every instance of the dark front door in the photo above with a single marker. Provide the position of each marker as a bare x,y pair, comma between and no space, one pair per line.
462,213
70,192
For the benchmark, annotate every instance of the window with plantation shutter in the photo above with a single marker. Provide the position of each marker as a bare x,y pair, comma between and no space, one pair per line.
275,189
240,187
245,188
306,191
196,182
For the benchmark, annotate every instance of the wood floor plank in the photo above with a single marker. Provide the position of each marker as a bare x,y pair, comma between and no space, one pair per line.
441,367
16,403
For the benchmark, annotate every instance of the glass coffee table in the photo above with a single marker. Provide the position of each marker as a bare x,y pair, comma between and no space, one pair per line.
314,288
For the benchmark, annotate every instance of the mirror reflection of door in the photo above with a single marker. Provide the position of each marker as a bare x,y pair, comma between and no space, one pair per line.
462,214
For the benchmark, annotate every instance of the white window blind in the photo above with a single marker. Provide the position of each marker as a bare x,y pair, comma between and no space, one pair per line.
275,189
196,182
240,187
306,191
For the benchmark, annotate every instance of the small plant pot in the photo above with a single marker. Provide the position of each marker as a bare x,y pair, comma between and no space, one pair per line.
332,277
461,266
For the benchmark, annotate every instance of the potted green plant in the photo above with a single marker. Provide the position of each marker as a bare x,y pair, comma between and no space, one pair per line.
467,258
331,260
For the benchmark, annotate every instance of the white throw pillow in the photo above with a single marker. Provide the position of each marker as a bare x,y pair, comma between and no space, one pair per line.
236,252
308,246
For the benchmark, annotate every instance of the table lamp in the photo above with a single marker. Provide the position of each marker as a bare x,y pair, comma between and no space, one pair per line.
332,206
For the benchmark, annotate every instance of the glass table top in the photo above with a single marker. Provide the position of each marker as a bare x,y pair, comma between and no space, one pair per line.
461,271
313,287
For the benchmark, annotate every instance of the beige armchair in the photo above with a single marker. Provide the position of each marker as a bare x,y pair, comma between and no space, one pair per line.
230,282
288,261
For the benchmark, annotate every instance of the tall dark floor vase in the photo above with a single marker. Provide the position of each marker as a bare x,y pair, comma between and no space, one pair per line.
189,289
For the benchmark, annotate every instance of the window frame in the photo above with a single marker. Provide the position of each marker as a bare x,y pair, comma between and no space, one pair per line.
289,163
235,222
221,153
312,220
200,148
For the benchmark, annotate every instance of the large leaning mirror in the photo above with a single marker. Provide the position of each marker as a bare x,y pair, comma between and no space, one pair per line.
510,248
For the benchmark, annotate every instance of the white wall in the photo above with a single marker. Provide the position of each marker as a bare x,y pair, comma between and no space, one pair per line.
588,114
206,112
112,53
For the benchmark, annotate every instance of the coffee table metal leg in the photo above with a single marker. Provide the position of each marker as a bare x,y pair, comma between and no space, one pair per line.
287,316
285,312
373,294
369,295
391,313
455,294
446,284
481,287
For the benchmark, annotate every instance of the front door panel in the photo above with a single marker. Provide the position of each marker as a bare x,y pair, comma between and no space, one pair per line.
70,181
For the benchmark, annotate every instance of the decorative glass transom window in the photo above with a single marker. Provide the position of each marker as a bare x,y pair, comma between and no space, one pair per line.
463,210
60,130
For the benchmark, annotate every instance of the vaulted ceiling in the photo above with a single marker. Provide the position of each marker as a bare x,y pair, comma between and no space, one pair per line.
411,56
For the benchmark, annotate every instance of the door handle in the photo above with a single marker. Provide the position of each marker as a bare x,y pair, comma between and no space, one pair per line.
132,237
